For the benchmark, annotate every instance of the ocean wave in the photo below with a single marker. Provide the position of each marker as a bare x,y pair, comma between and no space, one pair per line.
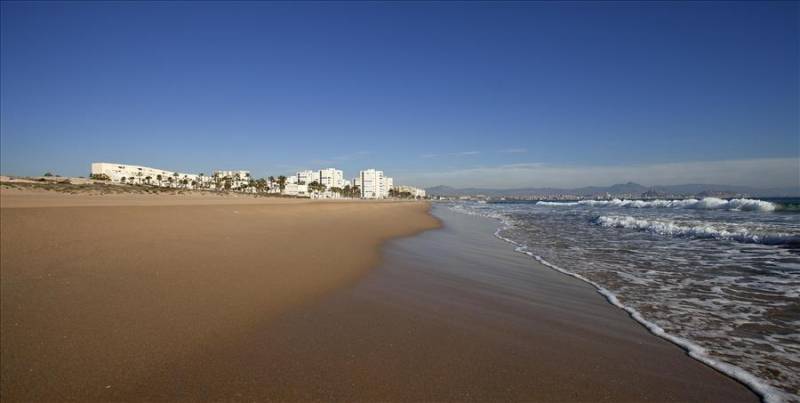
708,203
703,231
767,392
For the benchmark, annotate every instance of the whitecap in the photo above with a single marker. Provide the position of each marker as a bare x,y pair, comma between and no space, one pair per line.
708,203
703,231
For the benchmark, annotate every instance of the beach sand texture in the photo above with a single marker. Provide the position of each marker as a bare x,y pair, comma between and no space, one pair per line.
97,301
456,315
214,298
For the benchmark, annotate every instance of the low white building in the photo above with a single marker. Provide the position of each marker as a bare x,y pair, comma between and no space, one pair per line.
295,189
141,175
231,179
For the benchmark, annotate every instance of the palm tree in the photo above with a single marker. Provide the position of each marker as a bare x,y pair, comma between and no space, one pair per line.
122,180
261,184
147,179
202,176
217,182
316,187
170,180
130,179
282,183
159,178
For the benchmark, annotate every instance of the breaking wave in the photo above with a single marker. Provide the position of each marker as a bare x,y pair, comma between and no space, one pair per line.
703,231
707,353
708,203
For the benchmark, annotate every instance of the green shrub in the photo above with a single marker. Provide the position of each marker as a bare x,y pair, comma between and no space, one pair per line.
99,177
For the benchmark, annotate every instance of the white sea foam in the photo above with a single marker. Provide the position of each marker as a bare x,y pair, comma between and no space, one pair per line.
767,392
708,203
705,231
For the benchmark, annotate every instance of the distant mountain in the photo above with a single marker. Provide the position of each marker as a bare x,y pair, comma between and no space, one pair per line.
618,189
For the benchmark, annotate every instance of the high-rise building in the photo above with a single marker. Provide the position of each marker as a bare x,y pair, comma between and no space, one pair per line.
331,178
306,177
374,185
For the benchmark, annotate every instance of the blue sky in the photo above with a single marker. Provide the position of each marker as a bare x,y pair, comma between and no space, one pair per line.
480,94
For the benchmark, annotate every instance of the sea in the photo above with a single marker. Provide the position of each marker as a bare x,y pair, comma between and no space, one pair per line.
718,277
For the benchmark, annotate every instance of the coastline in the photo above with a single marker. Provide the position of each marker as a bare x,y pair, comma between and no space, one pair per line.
454,314
170,298
767,393
97,301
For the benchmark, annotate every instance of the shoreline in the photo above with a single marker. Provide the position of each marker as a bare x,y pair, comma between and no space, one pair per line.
766,392
96,301
173,299
453,314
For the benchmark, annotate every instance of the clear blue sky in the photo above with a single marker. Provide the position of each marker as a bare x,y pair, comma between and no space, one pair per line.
429,92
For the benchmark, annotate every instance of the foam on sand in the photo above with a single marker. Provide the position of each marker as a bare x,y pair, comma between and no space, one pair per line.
767,392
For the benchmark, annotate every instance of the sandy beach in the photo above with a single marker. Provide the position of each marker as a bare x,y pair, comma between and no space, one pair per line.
195,298
97,301
455,315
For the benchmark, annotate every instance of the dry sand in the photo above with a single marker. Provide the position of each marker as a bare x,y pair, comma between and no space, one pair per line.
99,301
201,297
455,314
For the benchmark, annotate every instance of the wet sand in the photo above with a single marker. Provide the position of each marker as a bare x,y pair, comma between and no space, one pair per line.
133,300
275,301
455,315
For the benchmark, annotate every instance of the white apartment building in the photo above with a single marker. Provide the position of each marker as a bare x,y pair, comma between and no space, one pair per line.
295,189
136,174
374,185
236,178
308,176
332,178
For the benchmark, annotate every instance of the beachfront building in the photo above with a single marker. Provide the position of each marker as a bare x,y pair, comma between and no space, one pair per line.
416,193
296,189
332,178
141,175
329,178
306,177
373,184
231,180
